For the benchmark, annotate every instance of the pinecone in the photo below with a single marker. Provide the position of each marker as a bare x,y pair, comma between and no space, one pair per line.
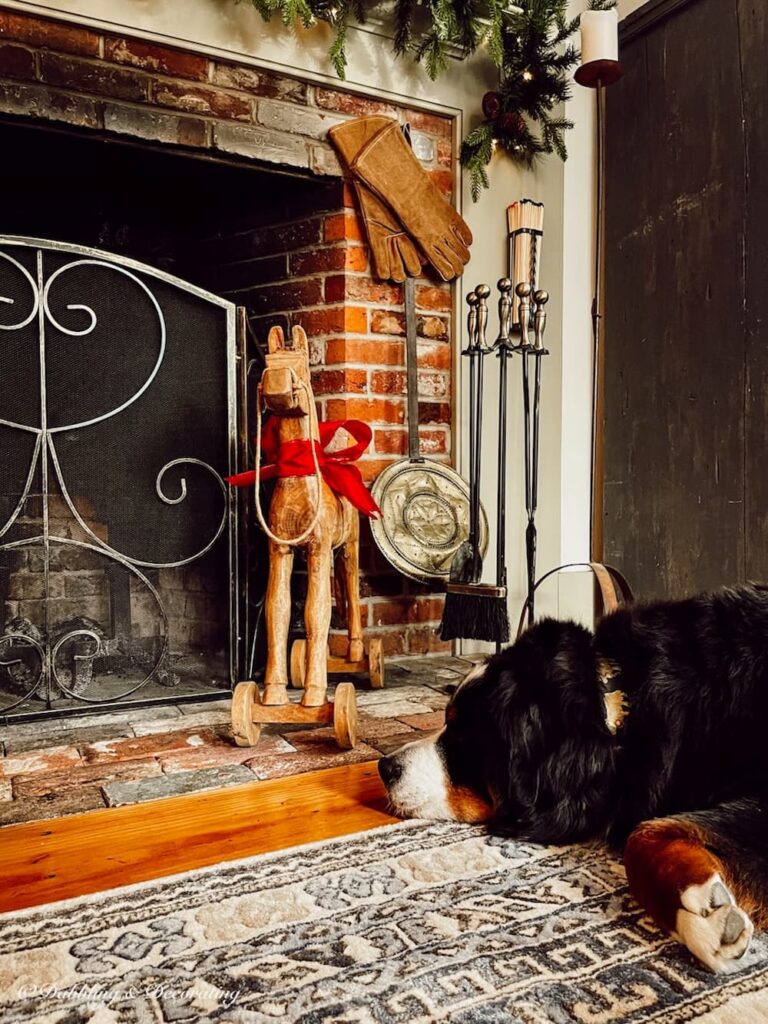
510,126
491,106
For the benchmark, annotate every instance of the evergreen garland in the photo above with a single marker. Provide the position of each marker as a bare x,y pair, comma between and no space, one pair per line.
528,43
534,57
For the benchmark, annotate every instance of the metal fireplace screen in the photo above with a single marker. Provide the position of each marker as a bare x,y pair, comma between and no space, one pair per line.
118,573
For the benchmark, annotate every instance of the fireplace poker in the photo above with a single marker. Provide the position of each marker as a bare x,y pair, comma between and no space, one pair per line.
504,348
531,422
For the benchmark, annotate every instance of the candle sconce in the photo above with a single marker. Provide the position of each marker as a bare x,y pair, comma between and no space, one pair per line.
600,68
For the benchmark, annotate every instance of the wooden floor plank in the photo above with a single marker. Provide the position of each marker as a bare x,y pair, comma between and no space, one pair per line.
45,861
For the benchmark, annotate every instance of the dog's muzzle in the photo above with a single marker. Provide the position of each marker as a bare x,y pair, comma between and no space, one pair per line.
416,780
390,770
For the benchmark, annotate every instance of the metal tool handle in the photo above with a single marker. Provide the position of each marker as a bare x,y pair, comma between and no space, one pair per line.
471,323
523,292
541,298
412,370
482,291
505,311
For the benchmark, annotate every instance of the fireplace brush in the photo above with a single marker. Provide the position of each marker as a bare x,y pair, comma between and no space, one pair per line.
474,610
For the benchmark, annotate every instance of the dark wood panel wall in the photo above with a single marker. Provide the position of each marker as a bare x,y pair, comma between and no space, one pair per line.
686,355
753,33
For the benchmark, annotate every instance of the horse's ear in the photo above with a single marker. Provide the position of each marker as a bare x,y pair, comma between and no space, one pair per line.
300,343
275,340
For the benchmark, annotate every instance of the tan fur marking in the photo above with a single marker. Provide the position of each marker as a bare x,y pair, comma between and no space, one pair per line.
616,709
466,805
606,670
662,858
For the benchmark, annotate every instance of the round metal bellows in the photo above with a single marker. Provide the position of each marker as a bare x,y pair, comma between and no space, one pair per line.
425,517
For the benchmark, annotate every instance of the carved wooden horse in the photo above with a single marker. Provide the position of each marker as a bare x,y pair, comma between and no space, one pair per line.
304,512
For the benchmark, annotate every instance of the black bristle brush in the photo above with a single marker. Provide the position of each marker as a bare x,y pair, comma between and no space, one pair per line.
474,610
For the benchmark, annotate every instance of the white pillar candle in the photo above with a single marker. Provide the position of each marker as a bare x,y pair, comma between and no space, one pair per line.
599,36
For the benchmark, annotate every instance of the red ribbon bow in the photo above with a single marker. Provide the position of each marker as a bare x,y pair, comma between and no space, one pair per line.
294,458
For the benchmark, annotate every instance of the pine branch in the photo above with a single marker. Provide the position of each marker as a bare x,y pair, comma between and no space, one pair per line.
403,35
495,34
476,153
565,30
431,52
337,52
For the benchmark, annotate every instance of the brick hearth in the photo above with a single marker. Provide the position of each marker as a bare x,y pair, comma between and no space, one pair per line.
52,769
303,263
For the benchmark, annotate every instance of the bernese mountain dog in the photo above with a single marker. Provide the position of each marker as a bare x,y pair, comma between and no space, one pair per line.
651,732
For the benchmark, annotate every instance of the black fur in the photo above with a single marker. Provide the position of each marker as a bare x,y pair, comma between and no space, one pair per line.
530,734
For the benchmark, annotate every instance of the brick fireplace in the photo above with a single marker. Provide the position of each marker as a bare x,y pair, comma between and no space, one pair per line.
220,174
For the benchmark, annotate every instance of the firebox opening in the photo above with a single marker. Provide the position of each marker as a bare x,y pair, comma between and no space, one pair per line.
216,224
190,215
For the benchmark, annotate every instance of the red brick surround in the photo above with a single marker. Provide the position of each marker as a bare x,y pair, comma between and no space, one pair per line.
311,269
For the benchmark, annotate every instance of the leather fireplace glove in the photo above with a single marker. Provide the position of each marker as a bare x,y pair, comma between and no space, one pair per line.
393,254
389,168
444,240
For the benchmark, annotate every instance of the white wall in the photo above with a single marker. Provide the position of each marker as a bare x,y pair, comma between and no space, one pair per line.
235,30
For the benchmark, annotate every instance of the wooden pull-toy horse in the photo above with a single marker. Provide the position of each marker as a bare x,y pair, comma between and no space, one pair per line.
304,512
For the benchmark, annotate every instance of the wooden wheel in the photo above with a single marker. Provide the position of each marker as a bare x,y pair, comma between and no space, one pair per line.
345,716
245,730
298,663
376,664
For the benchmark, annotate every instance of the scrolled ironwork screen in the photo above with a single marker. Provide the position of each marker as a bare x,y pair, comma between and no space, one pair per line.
118,423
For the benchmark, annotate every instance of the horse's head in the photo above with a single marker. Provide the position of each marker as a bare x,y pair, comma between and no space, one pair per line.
285,383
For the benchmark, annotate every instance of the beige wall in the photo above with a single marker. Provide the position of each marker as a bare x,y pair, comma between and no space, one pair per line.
628,6
235,30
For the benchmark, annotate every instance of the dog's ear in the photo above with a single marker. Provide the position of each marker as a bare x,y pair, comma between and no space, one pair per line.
560,750
566,671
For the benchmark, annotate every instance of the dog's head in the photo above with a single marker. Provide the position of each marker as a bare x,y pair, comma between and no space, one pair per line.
525,745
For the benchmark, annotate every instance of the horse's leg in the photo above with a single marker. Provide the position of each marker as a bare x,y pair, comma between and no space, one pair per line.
339,585
351,563
317,621
278,616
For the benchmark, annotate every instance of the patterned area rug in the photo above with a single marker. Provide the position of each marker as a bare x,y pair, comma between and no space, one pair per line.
414,922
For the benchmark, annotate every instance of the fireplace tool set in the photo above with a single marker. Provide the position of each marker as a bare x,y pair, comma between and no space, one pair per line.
476,610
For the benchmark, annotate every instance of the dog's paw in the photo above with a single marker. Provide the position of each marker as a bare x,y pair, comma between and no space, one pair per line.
712,926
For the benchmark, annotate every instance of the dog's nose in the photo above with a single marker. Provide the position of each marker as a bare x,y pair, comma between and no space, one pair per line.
390,770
